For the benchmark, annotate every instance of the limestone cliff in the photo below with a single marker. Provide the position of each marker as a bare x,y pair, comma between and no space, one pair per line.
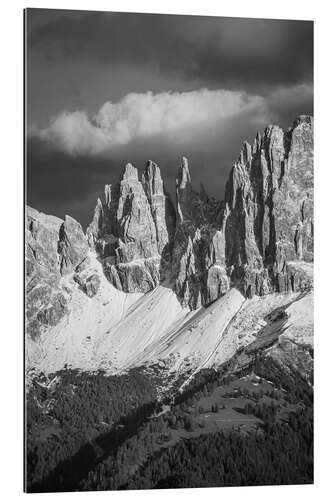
258,239
132,230
54,248
198,260
269,195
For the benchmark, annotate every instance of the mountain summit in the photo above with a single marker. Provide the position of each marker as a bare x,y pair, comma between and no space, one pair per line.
146,274
256,239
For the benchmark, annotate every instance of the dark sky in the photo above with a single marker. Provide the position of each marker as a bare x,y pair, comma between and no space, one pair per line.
107,88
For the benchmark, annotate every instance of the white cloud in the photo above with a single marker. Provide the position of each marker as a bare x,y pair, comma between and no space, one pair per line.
141,116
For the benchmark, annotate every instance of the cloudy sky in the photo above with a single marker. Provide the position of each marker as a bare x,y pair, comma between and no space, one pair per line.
107,88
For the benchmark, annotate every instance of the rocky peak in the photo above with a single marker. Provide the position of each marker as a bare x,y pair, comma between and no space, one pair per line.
184,192
161,208
303,119
199,249
129,173
183,178
152,181
96,227
107,196
130,192
245,156
72,246
266,227
137,227
53,248
259,239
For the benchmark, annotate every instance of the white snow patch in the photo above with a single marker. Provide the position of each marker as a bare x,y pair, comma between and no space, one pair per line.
193,340
72,341
299,327
116,331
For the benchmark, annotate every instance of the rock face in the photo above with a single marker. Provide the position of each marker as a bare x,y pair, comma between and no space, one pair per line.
161,208
198,261
86,276
259,239
269,196
132,230
256,239
53,248
209,253
73,246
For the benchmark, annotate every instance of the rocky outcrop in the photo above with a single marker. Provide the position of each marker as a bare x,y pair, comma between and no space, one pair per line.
73,246
87,277
251,240
162,210
269,196
198,261
45,302
53,248
259,239
132,230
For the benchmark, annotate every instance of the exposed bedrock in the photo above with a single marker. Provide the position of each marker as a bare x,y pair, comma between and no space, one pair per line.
73,246
53,248
269,196
132,230
251,240
198,260
259,239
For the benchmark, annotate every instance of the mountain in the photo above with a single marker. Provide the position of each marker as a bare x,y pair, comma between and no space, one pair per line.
182,288
132,230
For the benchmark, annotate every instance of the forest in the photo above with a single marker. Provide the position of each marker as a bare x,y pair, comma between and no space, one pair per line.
92,431
281,455
72,422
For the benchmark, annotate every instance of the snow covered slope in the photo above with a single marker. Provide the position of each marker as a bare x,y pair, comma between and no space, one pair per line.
115,331
294,348
71,342
193,341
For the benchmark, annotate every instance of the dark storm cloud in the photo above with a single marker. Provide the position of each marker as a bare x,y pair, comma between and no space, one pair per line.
224,52
60,182
104,89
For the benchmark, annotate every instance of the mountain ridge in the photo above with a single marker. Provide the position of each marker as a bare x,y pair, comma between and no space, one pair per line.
207,245
200,256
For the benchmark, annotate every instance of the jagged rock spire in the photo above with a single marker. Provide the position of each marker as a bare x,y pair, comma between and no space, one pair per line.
73,245
133,230
161,207
184,191
107,194
129,172
152,180
256,144
264,223
307,119
246,154
183,177
265,228
203,193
